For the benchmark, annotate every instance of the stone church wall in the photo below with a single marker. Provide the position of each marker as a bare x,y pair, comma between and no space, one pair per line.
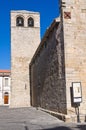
47,72
74,29
24,42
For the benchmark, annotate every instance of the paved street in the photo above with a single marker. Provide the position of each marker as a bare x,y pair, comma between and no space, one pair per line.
32,119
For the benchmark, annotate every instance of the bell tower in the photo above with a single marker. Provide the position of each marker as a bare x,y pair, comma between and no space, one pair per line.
73,19
25,38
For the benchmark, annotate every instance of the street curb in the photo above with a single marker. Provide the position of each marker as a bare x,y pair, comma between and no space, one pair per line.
63,117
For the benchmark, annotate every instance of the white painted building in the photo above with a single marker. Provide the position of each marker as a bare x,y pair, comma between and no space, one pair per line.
4,87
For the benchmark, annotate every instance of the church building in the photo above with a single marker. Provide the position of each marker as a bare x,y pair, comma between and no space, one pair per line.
58,67
52,74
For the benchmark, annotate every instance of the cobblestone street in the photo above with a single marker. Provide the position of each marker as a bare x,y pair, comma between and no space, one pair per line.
32,119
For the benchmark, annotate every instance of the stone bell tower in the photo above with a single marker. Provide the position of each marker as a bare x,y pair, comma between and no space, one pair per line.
73,18
25,38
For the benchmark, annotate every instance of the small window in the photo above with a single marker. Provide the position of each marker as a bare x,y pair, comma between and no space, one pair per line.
6,93
19,21
30,22
6,81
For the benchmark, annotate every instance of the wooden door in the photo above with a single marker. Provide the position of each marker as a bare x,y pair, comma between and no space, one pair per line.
6,98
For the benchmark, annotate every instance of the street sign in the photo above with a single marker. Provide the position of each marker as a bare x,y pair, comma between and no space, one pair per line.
77,92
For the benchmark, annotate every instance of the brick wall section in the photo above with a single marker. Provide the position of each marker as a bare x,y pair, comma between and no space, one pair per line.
47,72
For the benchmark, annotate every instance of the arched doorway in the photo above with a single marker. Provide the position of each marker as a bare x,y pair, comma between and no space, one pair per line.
6,98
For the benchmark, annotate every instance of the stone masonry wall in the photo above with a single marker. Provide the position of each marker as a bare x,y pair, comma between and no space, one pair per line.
24,42
47,73
74,28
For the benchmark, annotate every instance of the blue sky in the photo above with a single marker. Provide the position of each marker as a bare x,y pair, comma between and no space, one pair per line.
49,9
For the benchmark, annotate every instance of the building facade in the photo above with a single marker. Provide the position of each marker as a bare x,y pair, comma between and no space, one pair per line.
58,68
25,38
4,87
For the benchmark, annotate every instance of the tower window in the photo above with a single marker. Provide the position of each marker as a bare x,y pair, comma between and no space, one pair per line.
30,22
19,21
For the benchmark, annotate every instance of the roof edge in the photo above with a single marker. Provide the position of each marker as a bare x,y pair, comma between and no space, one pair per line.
24,11
5,71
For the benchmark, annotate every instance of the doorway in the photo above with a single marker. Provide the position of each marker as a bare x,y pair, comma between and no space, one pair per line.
6,98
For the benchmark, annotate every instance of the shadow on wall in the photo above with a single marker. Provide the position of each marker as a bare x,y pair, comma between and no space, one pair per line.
77,127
